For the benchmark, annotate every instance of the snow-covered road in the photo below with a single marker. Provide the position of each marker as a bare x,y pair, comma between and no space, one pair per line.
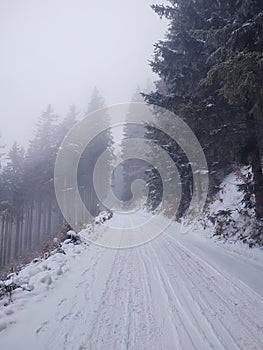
165,295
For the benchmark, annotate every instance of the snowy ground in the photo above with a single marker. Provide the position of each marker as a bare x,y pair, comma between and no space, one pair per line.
177,292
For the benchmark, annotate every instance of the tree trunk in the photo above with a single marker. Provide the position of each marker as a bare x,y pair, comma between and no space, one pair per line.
17,232
30,227
255,162
39,215
49,216
258,182
2,241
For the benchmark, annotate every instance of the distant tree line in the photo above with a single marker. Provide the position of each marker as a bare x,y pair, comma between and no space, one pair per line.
29,214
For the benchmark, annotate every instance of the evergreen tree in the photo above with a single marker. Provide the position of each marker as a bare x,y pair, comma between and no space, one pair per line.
236,71
96,102
91,154
12,202
183,61
40,203
68,122
29,214
131,169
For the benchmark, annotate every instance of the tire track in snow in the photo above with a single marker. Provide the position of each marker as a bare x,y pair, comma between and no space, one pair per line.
144,333
241,325
196,304
253,312
104,329
194,309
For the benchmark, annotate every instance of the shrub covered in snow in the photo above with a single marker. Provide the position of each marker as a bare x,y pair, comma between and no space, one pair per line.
230,214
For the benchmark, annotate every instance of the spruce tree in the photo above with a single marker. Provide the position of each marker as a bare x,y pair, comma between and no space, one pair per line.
131,169
183,62
237,61
67,123
91,154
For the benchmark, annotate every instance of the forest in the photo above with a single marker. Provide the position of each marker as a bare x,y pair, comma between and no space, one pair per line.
30,216
210,74
132,216
210,68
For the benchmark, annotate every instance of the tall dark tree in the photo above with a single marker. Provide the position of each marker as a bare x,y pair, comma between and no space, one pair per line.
237,62
130,169
187,60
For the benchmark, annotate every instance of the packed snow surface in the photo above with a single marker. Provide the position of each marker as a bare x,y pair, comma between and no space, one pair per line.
176,292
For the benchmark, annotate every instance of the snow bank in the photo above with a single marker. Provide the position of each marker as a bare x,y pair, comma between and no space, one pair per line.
39,276
36,279
227,219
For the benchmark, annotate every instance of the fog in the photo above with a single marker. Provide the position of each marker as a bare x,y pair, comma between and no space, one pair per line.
56,51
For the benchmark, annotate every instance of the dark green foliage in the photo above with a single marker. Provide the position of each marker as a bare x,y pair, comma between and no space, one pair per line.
7,289
224,224
236,71
247,187
210,69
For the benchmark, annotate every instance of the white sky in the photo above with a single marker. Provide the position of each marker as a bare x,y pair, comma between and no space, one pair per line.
56,51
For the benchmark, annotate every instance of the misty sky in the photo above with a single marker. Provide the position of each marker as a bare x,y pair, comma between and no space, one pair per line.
56,51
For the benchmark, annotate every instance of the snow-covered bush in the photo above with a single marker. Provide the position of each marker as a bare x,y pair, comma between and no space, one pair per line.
230,214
